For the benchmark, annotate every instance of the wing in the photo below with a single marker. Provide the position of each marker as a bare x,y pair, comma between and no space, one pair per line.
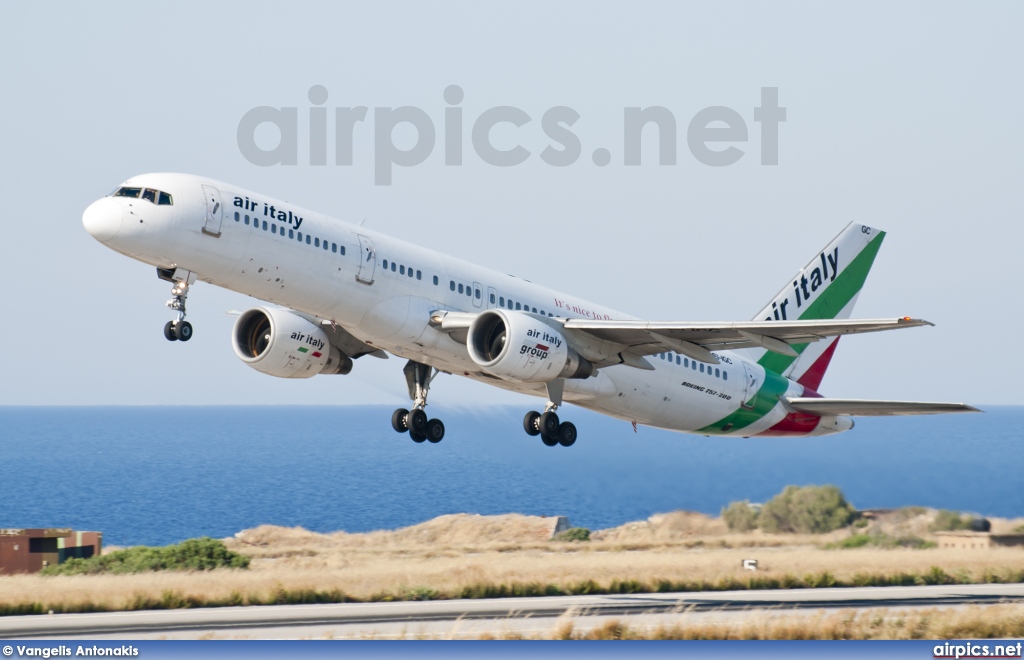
869,408
697,340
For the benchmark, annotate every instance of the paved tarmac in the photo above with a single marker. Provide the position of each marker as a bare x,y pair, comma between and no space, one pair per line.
456,618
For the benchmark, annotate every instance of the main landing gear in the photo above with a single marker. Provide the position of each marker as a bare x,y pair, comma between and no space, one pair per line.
178,329
551,430
415,422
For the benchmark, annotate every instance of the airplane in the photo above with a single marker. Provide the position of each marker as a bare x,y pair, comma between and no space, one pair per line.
338,292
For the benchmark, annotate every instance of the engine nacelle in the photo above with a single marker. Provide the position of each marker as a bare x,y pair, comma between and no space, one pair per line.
520,347
279,343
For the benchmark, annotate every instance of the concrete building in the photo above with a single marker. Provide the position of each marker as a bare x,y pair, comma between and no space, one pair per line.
968,540
30,550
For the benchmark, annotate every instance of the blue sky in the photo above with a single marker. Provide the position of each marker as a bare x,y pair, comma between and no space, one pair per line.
905,117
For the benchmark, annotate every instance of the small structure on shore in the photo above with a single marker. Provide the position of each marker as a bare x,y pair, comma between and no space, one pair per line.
31,550
968,540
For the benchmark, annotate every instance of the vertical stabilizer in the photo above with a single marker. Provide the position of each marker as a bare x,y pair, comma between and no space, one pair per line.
826,288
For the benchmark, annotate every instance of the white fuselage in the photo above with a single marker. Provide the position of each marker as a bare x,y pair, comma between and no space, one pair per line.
383,290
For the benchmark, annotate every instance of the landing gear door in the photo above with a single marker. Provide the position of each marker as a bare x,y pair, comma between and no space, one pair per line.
214,212
367,260
751,382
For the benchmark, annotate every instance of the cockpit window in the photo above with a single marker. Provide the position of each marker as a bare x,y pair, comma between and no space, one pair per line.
149,194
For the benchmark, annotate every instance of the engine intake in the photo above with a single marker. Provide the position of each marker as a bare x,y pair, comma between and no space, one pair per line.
520,347
279,343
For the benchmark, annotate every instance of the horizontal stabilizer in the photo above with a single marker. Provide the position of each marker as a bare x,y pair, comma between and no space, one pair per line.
869,408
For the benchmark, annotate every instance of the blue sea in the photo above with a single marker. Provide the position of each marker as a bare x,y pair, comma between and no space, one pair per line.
157,475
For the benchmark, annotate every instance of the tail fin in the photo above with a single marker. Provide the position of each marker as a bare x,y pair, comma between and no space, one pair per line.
826,288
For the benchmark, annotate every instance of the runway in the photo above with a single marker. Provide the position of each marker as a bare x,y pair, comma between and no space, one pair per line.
475,617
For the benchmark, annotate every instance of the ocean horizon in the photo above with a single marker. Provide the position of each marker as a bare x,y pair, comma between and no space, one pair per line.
161,474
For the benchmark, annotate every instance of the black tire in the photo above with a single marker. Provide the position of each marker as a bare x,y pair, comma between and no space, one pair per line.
567,434
548,424
530,423
417,421
398,420
183,331
169,332
435,431
416,437
549,441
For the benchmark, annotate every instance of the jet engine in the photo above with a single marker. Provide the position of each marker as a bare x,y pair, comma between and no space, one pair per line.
519,347
283,344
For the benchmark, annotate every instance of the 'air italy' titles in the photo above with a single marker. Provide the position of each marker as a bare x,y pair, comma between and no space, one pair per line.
269,211
805,287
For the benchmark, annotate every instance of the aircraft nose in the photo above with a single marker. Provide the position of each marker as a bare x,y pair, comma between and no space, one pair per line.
103,219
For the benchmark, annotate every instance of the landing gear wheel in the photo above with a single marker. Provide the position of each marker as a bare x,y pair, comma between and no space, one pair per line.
183,331
549,441
566,434
398,420
416,437
169,331
530,423
435,430
417,422
548,424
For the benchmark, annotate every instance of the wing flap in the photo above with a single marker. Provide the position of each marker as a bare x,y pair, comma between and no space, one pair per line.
644,336
871,408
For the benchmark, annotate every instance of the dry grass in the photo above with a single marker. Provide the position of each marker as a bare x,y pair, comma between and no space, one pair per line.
477,556
974,622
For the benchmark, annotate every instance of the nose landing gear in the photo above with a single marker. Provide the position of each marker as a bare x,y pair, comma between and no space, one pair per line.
415,421
178,329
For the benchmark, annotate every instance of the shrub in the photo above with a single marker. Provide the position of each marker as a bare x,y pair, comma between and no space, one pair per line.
573,534
202,554
740,516
806,510
952,521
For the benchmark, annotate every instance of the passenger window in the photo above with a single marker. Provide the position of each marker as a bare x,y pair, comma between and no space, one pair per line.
341,248
492,298
149,194
435,280
308,237
419,275
325,245
534,310
725,375
718,374
385,264
401,269
510,305
291,233
165,199
264,225
273,229
394,268
246,219
518,306
476,294
451,285
501,301
316,242
238,216
702,367
693,365
334,247
128,192
678,361
409,272
686,362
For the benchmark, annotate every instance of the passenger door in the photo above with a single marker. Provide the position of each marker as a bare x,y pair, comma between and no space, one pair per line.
750,385
367,260
214,212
